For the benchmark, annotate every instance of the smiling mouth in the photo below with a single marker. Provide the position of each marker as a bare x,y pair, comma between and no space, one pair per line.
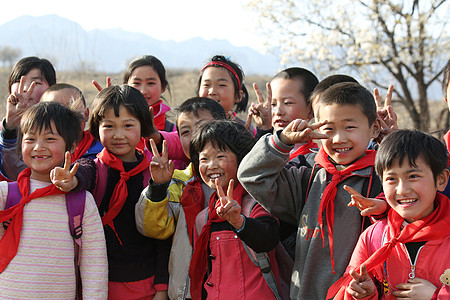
342,150
406,201
214,176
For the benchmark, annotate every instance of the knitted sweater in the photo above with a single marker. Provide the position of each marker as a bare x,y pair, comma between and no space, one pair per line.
44,265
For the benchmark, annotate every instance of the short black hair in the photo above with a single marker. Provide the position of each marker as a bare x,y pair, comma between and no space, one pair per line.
350,93
113,97
223,134
329,81
411,144
195,104
308,79
40,116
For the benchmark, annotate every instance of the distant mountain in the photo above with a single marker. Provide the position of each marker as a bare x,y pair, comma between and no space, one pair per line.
69,47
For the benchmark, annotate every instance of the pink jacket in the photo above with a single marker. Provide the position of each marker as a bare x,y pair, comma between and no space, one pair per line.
432,261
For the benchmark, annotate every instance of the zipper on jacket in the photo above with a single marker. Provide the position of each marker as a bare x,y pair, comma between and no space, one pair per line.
413,266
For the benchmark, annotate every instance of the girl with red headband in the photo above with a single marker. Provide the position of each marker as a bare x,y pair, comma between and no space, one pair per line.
223,80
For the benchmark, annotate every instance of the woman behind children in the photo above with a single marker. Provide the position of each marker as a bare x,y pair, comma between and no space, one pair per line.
28,80
41,265
137,264
231,219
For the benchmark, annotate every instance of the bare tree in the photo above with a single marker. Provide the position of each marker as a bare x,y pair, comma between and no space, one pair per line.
9,55
403,42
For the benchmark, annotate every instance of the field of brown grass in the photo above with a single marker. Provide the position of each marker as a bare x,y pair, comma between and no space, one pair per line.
183,86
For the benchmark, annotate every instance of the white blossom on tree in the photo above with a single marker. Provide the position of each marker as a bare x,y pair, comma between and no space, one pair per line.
405,43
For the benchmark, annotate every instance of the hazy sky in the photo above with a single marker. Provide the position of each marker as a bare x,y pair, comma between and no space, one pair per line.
164,19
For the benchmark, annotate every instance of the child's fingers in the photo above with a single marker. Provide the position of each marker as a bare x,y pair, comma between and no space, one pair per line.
97,85
154,148
67,161
388,100
248,122
220,192
230,189
269,94
74,169
108,81
352,191
376,96
165,152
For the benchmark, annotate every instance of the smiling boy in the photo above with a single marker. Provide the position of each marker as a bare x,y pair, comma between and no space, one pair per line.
313,198
405,255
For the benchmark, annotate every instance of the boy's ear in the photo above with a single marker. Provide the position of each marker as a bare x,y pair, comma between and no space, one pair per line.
442,180
376,128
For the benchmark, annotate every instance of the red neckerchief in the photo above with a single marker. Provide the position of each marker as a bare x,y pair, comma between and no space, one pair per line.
159,119
197,268
329,194
83,146
120,193
303,149
10,240
447,143
432,227
193,202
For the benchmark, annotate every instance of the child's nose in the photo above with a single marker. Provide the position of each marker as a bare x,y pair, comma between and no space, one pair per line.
339,137
39,145
402,187
212,90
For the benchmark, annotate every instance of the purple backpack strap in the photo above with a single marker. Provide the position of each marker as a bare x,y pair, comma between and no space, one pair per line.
75,203
14,196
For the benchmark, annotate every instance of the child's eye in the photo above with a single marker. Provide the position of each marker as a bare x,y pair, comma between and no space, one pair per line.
184,132
129,125
413,176
351,127
106,126
389,179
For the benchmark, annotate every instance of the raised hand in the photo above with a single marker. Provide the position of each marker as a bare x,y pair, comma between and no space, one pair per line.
161,167
98,86
386,114
415,289
64,178
299,131
367,206
155,135
362,285
261,112
229,209
18,102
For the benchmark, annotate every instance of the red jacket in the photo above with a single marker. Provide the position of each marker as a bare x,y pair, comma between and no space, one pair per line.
233,275
432,261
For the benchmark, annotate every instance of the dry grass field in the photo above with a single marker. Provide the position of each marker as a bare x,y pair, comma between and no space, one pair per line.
183,86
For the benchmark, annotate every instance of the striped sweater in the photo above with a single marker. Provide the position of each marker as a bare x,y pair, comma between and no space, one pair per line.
44,265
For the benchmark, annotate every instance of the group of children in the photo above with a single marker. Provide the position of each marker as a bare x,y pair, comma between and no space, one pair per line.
215,207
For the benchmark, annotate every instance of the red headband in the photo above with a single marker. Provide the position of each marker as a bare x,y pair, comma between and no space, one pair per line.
226,66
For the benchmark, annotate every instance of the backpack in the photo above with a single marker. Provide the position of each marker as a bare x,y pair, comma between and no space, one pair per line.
75,203
261,259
